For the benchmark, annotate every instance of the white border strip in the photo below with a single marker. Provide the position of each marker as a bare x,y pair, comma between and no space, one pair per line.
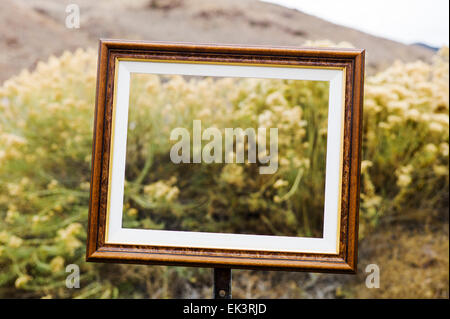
327,245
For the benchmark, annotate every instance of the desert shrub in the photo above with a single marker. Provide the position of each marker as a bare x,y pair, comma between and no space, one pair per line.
406,123
230,197
45,143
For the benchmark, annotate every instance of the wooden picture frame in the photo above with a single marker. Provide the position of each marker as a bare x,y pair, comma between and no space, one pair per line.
348,68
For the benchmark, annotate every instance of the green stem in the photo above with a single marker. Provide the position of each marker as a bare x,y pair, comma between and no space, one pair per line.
148,164
294,186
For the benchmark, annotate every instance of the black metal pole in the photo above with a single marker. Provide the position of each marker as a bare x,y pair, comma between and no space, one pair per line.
222,283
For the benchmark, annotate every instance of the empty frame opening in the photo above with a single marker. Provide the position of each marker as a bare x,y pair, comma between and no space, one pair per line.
198,155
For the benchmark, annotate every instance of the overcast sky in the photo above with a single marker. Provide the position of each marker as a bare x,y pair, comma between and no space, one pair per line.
407,21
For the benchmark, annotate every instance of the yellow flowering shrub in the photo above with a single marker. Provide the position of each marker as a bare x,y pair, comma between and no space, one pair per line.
45,146
46,122
405,142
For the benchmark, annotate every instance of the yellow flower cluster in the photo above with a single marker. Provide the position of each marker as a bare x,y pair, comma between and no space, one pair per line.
162,191
68,237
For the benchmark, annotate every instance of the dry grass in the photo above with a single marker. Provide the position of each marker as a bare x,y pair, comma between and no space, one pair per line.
413,264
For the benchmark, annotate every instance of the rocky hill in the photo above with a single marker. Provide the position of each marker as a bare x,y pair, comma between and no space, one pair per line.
32,30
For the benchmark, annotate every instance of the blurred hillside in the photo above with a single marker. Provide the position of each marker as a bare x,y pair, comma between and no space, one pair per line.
28,24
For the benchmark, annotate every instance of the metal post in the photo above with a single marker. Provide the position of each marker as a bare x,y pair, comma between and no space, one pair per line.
222,283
